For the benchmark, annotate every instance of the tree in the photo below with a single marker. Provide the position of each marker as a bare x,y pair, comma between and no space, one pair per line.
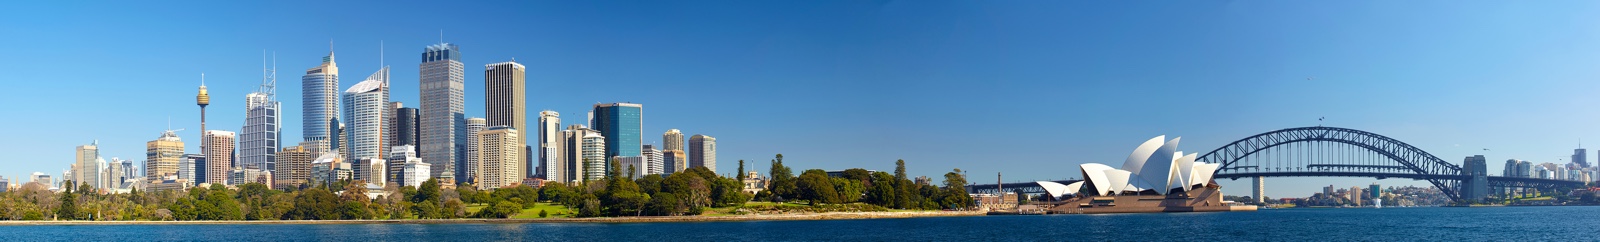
740,176
816,187
900,169
955,191
503,209
469,194
543,214
313,204
429,192
858,174
69,206
849,190
783,181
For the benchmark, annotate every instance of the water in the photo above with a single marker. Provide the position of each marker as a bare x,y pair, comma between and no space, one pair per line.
1366,224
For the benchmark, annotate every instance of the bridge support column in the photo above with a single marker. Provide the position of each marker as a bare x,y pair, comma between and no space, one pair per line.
1259,192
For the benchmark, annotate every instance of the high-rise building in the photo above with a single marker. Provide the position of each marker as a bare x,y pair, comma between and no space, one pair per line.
294,167
406,127
1476,186
365,106
319,91
594,157
549,143
573,147
391,126
673,161
112,174
505,104
192,167
632,167
370,170
258,142
443,91
218,150
162,156
401,157
672,140
414,172
42,179
498,157
652,160
1580,156
475,127
1355,195
88,165
703,152
622,124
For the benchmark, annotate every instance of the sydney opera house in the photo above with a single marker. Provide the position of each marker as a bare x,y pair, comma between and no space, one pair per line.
1155,178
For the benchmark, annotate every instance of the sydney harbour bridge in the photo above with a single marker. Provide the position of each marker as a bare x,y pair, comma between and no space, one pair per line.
1342,152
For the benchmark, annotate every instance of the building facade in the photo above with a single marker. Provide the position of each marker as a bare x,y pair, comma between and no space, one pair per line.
703,152
87,167
672,140
594,157
218,151
319,91
401,157
406,127
294,167
258,140
475,127
622,125
443,93
673,161
365,106
549,154
162,156
505,104
572,149
499,158
652,160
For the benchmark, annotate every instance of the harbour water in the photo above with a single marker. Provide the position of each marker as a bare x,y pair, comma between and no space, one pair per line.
1316,224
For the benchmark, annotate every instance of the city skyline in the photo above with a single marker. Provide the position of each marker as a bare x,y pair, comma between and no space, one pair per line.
1507,81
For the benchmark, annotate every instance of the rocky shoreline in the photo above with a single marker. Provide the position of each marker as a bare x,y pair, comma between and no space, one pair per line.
665,219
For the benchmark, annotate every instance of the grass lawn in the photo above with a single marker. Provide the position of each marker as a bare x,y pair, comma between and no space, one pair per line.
555,210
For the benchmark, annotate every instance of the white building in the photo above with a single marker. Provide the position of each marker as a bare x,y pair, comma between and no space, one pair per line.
366,105
475,127
594,156
653,160
548,147
260,136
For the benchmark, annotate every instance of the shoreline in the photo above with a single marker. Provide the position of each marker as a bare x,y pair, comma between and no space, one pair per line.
661,219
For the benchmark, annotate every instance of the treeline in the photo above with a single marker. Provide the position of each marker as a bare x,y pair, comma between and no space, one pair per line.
690,192
859,185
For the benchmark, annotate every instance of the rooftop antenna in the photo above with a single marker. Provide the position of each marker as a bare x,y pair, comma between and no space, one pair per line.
269,76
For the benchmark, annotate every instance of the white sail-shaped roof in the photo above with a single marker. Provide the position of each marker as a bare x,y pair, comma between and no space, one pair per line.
1055,190
1118,179
1142,153
1157,171
1095,173
1203,173
1185,172
1073,187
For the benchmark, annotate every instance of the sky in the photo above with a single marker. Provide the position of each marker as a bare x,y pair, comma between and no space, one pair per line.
1029,89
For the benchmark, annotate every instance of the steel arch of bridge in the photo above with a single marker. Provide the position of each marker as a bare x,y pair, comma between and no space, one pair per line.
1408,161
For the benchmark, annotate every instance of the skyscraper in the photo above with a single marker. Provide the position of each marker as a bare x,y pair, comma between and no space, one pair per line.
622,125
391,126
594,157
162,156
652,161
505,104
87,168
572,150
260,137
703,152
443,108
365,106
498,157
549,139
219,155
475,128
319,91
294,167
192,168
412,171
673,161
1580,156
672,140
406,127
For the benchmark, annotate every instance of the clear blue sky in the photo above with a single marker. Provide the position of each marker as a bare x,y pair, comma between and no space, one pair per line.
1029,88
